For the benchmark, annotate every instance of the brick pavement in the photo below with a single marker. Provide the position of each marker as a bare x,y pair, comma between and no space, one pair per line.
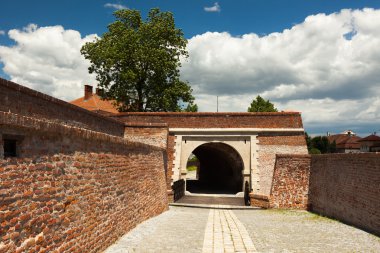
183,229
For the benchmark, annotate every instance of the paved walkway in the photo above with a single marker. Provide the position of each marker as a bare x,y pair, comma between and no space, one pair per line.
209,199
183,229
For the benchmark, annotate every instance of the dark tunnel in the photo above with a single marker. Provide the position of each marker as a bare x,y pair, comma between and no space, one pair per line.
220,170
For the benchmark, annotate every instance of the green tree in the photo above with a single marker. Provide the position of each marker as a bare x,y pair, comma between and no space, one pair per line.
261,105
137,62
323,145
308,141
191,107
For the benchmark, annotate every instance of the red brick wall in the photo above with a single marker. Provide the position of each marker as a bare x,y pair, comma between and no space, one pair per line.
269,143
347,187
152,134
75,190
288,139
290,185
218,120
20,100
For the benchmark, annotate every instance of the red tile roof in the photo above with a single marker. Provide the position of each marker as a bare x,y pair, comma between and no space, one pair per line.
371,137
96,103
345,141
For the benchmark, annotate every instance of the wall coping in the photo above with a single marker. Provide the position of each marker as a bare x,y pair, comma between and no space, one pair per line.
293,156
40,95
205,114
144,124
233,130
11,119
369,154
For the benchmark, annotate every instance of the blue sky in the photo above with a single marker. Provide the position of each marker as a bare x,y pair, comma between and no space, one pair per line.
237,17
317,57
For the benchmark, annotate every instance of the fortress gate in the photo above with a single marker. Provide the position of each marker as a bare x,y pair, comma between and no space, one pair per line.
232,148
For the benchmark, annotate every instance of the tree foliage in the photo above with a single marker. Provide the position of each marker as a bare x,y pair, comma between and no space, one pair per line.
319,145
261,105
137,62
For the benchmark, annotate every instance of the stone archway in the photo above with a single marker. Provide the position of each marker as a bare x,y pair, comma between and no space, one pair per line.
220,170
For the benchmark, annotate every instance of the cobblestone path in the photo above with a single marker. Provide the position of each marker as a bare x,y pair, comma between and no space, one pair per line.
225,233
183,229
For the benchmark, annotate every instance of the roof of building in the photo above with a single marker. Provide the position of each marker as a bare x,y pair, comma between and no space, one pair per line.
345,141
93,102
371,137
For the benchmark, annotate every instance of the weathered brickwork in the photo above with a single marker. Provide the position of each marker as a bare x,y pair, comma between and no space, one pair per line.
74,190
282,139
259,200
290,184
267,159
218,120
347,187
152,134
20,100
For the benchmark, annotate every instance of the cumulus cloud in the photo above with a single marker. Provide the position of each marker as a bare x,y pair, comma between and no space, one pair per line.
326,67
2,32
115,6
214,8
48,59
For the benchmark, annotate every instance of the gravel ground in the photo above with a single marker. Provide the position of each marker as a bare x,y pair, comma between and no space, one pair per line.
180,229
301,231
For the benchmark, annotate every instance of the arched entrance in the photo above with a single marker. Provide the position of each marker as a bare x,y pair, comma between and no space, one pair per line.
219,170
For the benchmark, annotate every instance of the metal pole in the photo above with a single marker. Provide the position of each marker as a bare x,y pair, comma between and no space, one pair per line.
217,103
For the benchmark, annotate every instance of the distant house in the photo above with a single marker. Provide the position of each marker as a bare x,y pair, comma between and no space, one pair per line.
93,102
370,143
346,142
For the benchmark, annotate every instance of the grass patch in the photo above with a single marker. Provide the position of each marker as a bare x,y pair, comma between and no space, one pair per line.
317,217
191,168
287,211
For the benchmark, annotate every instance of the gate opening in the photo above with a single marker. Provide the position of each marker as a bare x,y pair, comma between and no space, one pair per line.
218,170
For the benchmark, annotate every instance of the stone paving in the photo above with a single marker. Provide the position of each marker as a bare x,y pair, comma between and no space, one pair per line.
225,233
184,229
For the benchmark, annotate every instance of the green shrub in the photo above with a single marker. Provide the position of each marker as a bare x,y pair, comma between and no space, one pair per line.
314,151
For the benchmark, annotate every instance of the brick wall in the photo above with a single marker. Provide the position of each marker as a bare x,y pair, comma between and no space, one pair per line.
347,187
155,134
269,146
290,184
74,190
217,120
20,100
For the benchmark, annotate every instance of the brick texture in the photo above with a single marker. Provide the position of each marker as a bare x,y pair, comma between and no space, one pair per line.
290,184
347,187
75,190
218,120
20,100
152,134
267,160
270,144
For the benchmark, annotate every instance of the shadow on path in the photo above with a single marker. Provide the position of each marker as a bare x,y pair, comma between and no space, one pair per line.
212,200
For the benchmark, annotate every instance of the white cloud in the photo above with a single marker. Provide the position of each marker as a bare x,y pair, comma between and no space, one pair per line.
214,8
326,67
48,59
115,6
2,32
